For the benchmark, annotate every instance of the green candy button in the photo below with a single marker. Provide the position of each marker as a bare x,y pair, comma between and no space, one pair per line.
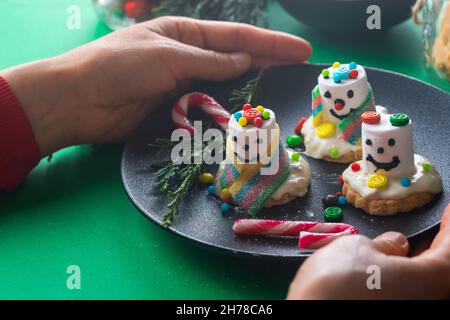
294,141
333,214
399,119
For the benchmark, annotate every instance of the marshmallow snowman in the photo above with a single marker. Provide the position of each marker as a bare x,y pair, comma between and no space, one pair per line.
387,143
253,135
342,90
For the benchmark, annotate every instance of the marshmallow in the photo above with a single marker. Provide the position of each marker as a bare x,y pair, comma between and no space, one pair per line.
250,143
342,90
387,147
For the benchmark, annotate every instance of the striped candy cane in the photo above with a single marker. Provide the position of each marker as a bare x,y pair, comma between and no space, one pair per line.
309,240
198,99
312,235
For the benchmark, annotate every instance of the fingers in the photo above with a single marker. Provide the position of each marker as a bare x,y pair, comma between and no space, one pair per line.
268,45
392,244
442,239
194,63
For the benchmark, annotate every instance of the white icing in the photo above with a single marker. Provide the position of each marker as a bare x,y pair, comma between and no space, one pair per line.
318,148
375,144
421,181
298,182
359,86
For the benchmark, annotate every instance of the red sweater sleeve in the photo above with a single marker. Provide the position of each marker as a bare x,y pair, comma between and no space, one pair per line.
19,151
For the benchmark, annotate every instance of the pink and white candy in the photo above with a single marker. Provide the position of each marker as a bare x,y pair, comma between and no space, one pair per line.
312,235
206,103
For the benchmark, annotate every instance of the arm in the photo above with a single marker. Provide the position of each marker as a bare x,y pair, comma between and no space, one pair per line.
101,91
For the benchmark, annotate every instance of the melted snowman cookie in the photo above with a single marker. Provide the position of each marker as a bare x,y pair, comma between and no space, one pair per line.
390,178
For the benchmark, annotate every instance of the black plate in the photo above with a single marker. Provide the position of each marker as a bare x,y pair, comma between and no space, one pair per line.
287,91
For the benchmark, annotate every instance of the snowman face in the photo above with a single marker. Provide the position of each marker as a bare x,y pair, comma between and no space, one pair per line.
388,149
250,144
341,99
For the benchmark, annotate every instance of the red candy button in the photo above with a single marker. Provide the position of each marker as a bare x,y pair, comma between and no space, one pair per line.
299,126
341,180
353,74
246,106
370,117
258,121
356,166
338,194
251,114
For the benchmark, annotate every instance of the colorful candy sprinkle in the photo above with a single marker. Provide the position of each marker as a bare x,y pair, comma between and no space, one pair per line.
334,152
211,189
325,130
242,122
333,214
336,65
225,194
266,115
206,178
258,121
246,107
225,207
355,166
341,180
260,109
352,65
426,166
399,119
251,114
353,74
338,194
336,78
294,140
295,156
377,181
329,200
325,73
405,182
237,115
342,200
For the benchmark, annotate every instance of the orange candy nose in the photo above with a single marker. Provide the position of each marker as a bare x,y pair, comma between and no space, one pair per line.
339,106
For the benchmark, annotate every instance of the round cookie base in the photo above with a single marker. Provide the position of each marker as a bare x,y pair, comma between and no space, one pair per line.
386,207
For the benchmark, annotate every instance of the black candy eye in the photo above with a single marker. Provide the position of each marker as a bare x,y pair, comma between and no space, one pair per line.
350,94
369,142
259,141
391,142
234,138
246,147
327,95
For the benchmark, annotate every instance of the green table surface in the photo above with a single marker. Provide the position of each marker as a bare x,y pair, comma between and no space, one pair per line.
74,210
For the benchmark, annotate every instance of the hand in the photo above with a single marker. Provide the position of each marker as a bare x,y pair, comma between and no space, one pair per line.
339,270
101,91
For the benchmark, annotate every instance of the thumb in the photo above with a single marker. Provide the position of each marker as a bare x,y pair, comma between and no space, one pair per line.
392,244
200,64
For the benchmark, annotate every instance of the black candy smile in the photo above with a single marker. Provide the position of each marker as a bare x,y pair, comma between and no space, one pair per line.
341,116
385,166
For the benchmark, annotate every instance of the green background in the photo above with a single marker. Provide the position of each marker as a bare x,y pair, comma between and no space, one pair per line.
74,210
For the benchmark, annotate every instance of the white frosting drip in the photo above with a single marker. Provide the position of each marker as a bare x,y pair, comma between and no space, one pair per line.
421,181
318,148
298,182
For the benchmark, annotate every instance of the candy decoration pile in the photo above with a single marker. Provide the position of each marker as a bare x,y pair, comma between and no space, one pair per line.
206,103
250,115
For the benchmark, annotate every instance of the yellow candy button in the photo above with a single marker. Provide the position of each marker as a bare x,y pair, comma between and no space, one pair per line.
336,65
325,130
377,181
242,121
260,109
